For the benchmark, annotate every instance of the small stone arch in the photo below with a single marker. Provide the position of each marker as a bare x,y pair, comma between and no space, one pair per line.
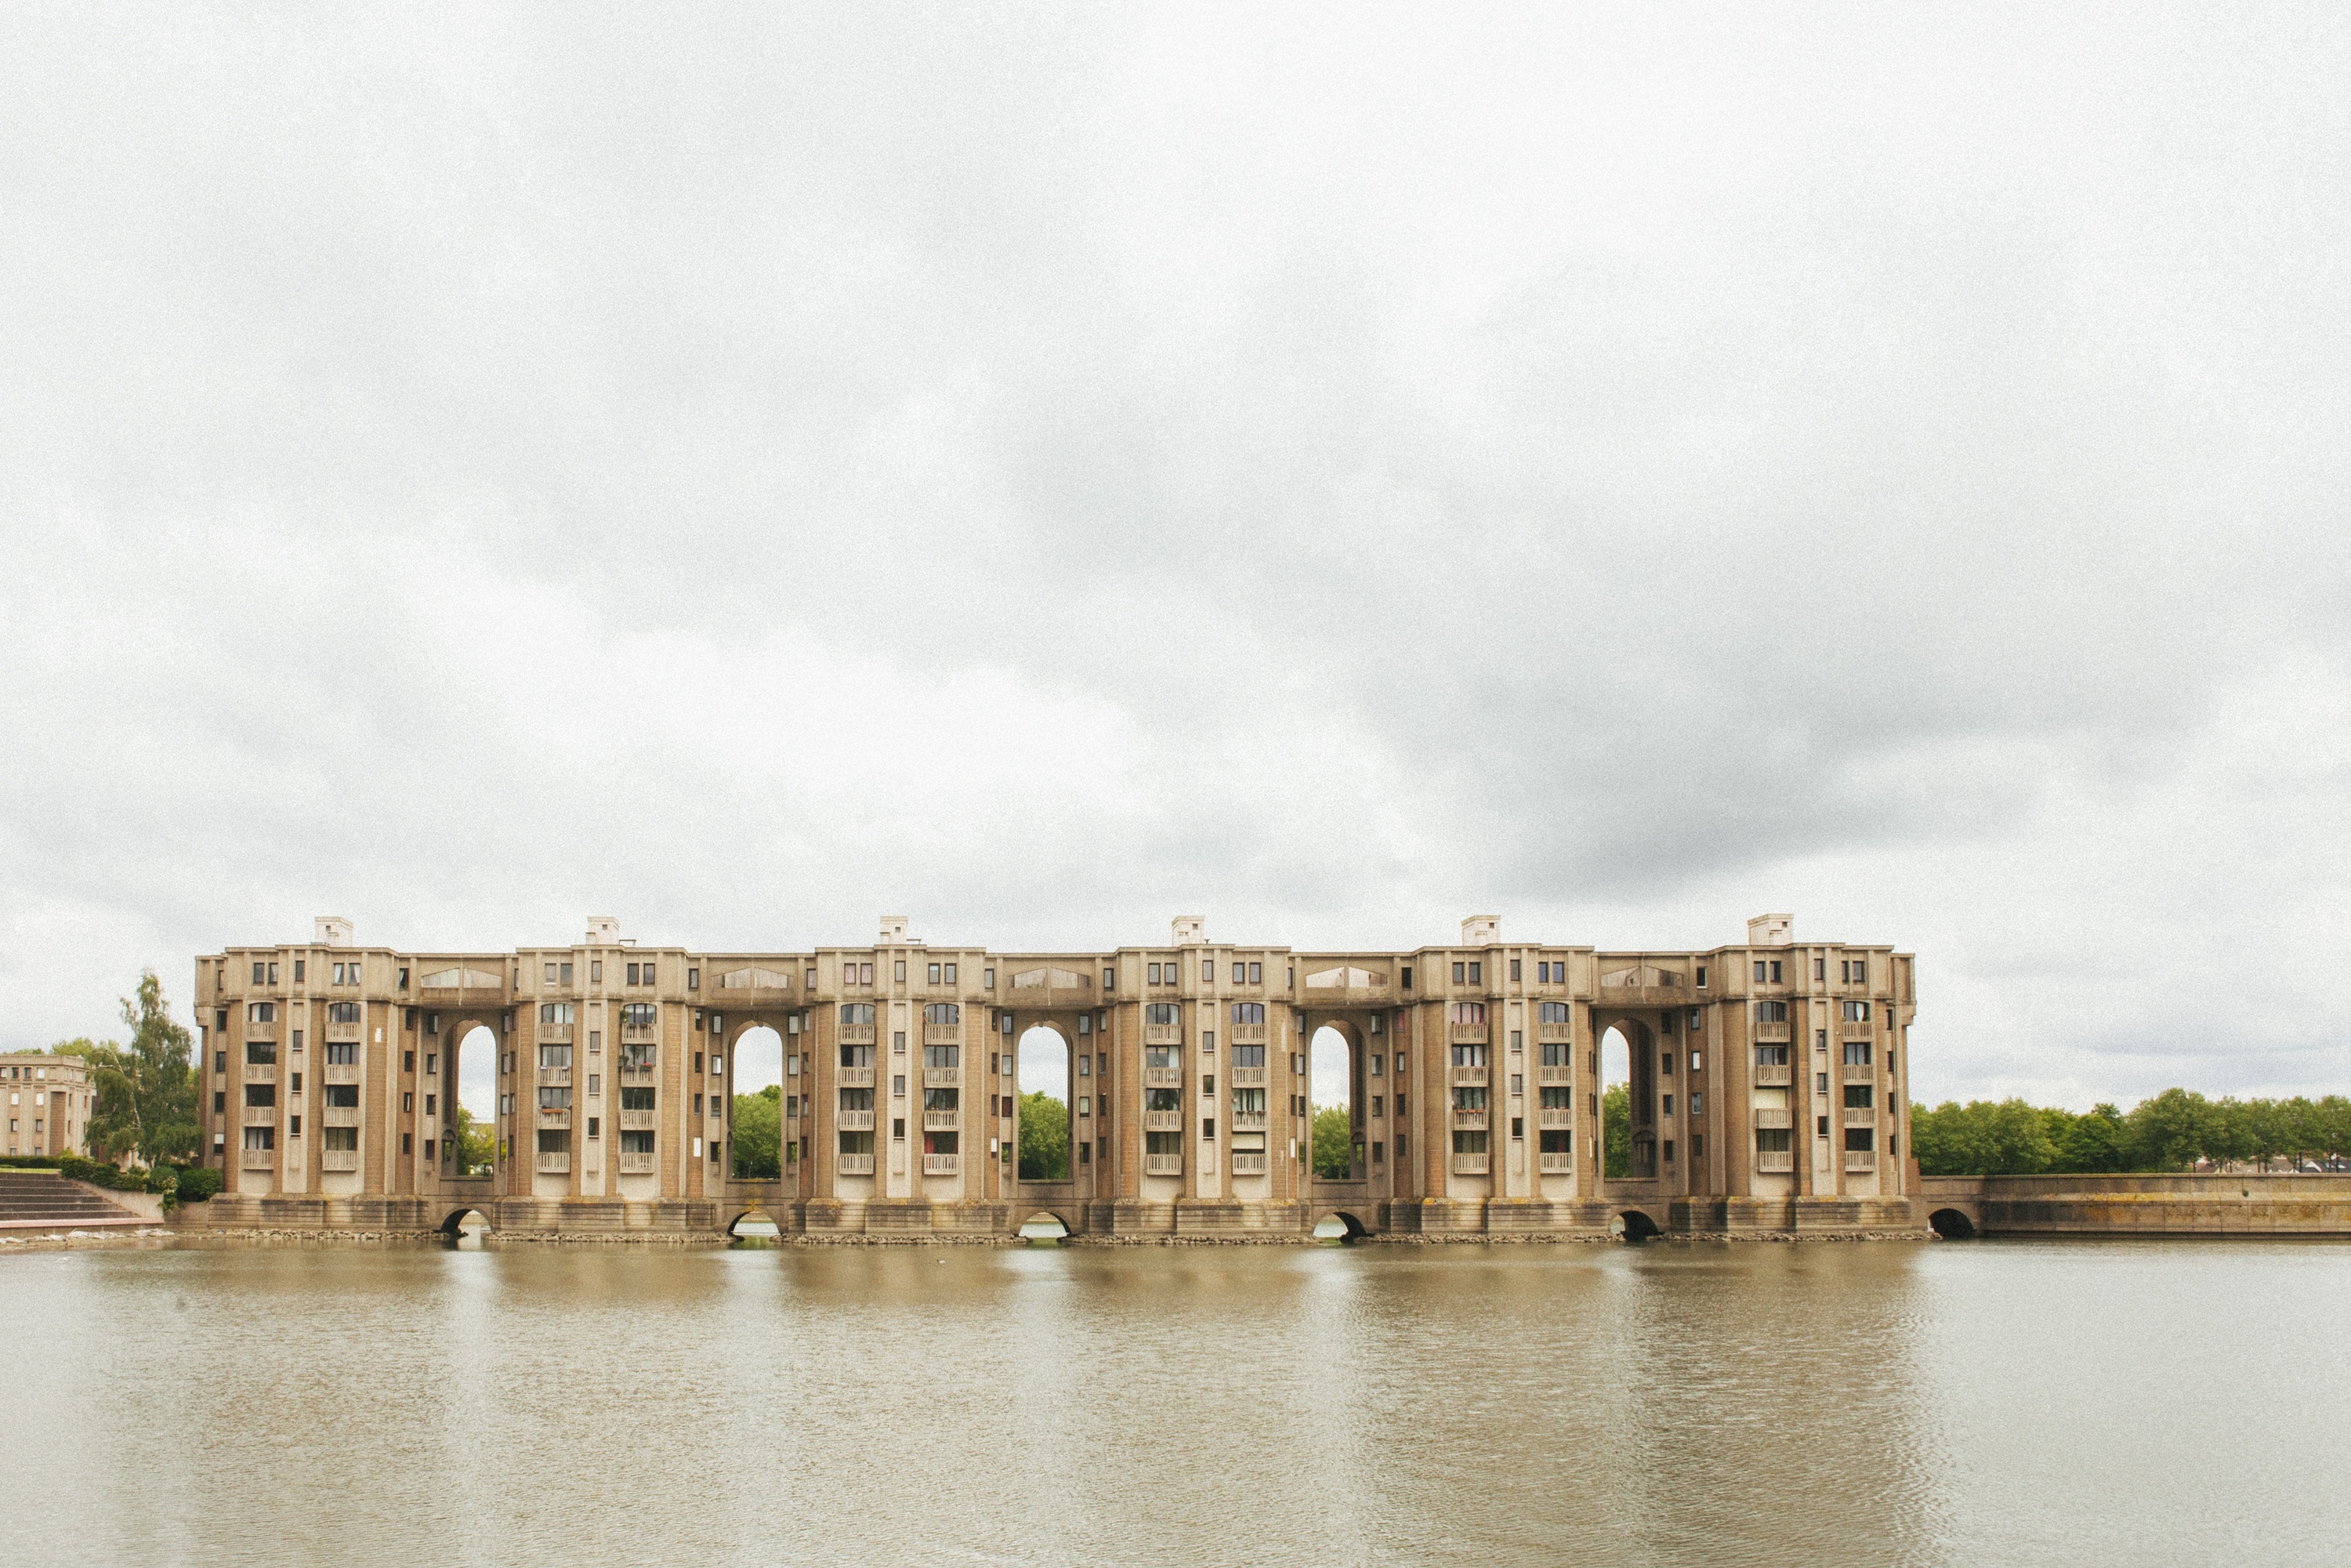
456,1223
1635,1226
755,1211
1068,1229
1952,1224
1356,1229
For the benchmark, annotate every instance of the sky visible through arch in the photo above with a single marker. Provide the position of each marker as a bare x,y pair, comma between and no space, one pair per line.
1334,471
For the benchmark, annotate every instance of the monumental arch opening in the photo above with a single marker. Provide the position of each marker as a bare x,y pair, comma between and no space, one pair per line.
1042,1067
469,1148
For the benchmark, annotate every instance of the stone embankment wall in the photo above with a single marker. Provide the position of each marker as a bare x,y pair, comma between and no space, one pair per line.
2138,1205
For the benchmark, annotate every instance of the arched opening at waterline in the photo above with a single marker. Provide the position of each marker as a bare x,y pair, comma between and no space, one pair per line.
1044,1227
1338,1226
1952,1225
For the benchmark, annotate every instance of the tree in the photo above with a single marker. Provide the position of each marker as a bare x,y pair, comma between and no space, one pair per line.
146,1102
2098,1141
758,1152
1334,1144
1616,1132
475,1142
2170,1129
1044,1138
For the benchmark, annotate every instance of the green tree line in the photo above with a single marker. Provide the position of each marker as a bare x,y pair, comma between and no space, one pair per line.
2166,1131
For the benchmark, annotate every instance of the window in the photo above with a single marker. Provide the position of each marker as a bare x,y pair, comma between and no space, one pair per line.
1468,1141
1701,976
263,1137
596,971
342,1012
261,1052
857,1015
1477,973
898,971
1161,1014
639,1015
554,1013
1151,974
1469,1099
1514,968
1208,1043
945,1058
1468,1056
343,1053
1665,1061
1162,1059
693,978
1857,1053
1207,1129
1819,969
1407,976
1257,974
1555,1054
1770,1012
1379,1021
1248,1012
1375,1064
1251,1056
1860,1139
632,974
1775,971
258,973
1858,1097
1857,1012
261,1012
943,1013
1467,1012
1553,1013
554,1059
1460,973
950,973
261,1095
1086,1064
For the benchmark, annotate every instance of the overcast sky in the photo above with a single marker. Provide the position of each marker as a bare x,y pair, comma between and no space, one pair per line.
1330,470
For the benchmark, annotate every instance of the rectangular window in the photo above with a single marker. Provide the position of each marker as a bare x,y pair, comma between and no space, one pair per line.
898,971
1257,974
1514,968
693,978
1460,973
951,973
595,971
933,973
1857,1012
1477,973
1819,969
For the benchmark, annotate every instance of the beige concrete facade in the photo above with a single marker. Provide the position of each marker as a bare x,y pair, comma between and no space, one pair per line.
1767,1083
49,1099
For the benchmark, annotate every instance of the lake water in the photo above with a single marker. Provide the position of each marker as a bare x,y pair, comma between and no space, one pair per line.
1962,1402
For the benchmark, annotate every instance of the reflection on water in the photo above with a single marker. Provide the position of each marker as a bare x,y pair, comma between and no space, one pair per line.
1758,1404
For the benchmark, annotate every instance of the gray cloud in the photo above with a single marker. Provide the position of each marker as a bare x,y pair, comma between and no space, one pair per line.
1333,470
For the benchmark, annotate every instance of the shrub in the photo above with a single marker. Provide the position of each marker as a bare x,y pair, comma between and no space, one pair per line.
198,1183
29,1162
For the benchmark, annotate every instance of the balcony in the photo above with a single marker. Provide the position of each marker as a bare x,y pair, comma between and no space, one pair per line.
342,1072
1553,1117
554,1119
1770,1033
1163,1121
1557,1164
338,1116
341,1034
1469,1165
941,1121
261,1030
338,1160
857,1165
1251,1163
554,1078
942,1077
853,1121
639,1121
640,1033
1861,1159
1248,1077
1248,1033
1556,1033
1861,1115
1772,1077
939,1165
1162,1078
854,1078
558,1164
1163,1165
261,1073
855,1034
1771,1162
638,1076
636,1164
1466,1033
1469,1121
1248,1122
942,1034
1470,1076
553,1033
261,1115
1555,1077
258,1160
1163,1034
1773,1116
1860,1072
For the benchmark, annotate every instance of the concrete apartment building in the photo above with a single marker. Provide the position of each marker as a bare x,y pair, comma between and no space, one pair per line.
1766,1084
49,1099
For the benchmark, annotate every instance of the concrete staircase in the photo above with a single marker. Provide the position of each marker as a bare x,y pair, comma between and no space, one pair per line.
44,1200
